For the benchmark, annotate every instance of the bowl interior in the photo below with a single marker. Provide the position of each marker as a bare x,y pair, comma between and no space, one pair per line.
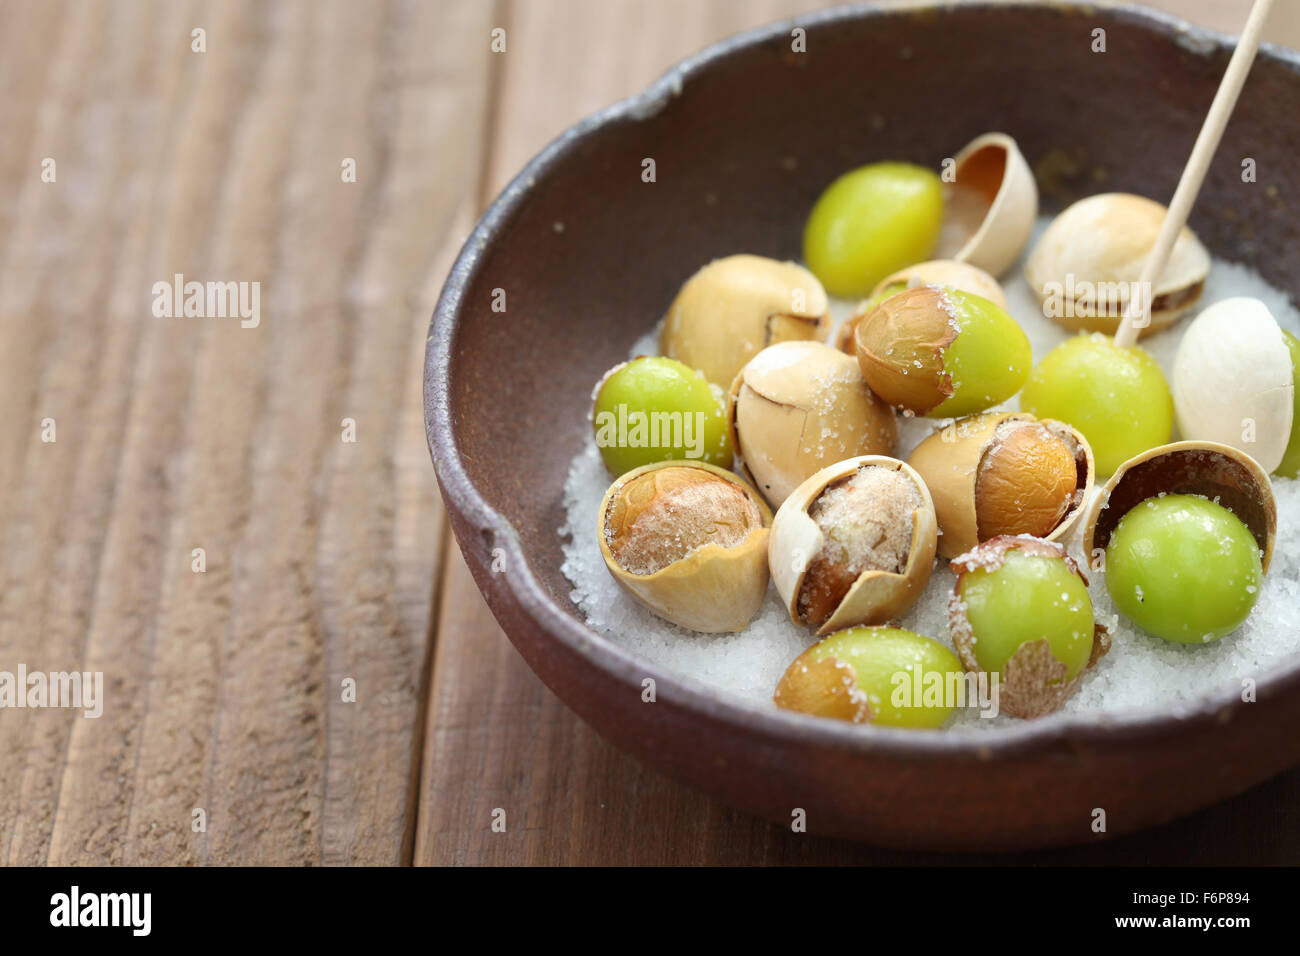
743,139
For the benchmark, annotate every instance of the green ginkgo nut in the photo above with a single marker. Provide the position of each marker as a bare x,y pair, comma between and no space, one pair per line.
1028,598
889,663
1290,467
1117,397
870,223
1183,568
989,360
658,409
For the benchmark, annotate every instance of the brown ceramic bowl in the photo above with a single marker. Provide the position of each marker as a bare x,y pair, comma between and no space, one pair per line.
744,136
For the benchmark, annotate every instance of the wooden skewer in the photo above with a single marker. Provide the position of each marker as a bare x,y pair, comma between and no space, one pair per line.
1138,314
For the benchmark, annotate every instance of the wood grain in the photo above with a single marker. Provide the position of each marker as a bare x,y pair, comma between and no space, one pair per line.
223,688
498,741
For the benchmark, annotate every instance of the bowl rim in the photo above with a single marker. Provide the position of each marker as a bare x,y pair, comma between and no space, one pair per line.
1150,723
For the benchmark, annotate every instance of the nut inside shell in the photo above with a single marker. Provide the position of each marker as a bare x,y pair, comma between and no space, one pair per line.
1088,261
1221,473
662,516
689,541
854,544
823,688
900,346
1034,681
936,272
1028,480
866,525
1004,473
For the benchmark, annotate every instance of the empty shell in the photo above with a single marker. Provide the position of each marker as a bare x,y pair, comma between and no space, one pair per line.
991,205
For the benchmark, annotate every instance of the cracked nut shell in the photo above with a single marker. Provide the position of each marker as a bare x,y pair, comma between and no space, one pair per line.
1004,473
797,407
734,307
689,541
1088,260
854,544
1219,472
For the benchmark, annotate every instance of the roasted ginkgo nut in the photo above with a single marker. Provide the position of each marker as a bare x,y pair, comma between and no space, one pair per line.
656,409
1026,483
1020,610
1183,568
1233,380
1091,256
1026,599
1290,467
734,307
866,523
870,222
870,675
689,541
797,407
1117,397
662,516
1004,473
937,351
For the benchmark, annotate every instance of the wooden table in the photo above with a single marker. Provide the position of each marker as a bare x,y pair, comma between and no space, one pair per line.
292,453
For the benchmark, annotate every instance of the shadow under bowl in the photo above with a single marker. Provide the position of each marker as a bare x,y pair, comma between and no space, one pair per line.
744,136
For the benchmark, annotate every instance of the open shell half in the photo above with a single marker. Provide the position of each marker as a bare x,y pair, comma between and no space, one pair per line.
658,508
991,205
1219,472
875,596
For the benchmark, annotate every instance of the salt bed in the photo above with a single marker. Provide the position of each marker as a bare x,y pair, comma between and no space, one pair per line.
1139,672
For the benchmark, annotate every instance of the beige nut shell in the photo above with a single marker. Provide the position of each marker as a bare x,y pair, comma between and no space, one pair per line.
989,223
1215,471
948,461
1107,239
948,272
797,407
1233,365
713,589
734,307
876,596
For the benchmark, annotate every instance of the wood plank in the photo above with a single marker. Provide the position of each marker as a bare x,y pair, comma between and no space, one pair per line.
497,738
68,239
224,688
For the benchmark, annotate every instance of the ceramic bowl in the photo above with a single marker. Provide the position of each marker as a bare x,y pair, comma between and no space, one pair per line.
745,135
